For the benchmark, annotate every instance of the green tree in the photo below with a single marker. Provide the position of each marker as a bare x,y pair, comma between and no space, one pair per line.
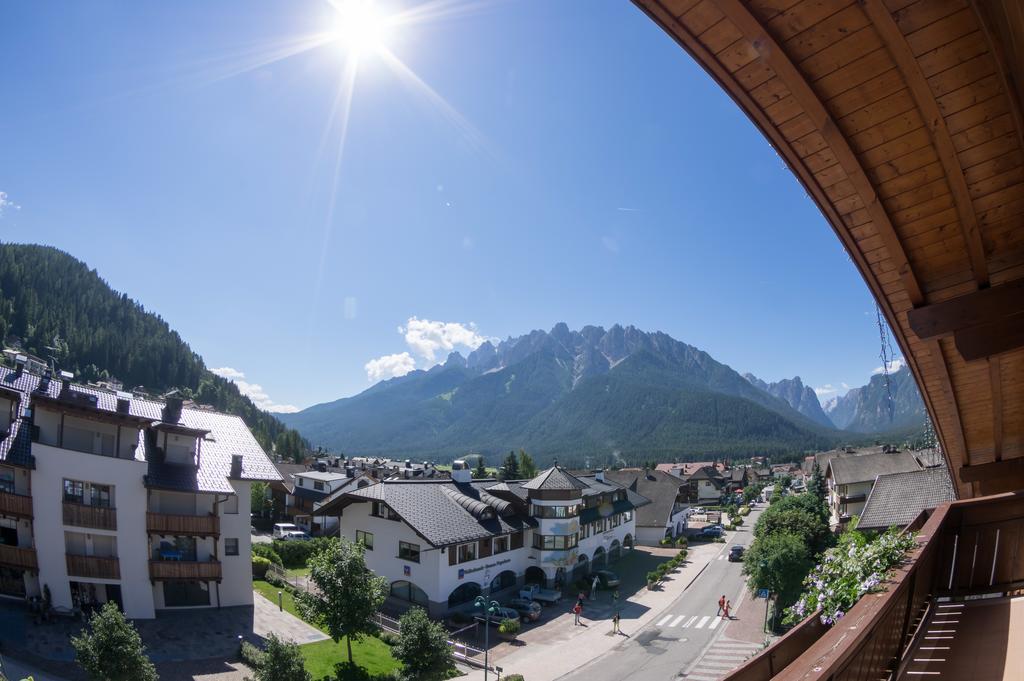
527,467
347,594
481,469
423,647
260,500
510,467
282,661
110,649
817,486
778,563
800,515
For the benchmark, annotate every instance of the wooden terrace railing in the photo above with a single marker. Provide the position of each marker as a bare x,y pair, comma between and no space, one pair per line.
203,571
18,557
97,567
95,517
185,525
19,505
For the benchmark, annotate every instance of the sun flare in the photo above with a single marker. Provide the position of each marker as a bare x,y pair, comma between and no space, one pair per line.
360,27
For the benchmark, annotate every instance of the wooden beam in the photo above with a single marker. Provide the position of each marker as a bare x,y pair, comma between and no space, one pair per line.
772,54
986,340
946,388
973,309
896,43
1011,469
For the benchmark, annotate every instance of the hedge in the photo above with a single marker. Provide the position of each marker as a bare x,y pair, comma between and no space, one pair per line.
295,553
260,565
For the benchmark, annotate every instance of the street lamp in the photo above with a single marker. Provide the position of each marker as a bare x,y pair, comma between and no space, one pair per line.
489,608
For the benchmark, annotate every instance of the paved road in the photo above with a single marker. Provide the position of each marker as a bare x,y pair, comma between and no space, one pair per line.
667,646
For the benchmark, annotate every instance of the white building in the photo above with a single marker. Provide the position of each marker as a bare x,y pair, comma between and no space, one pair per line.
850,479
441,543
105,496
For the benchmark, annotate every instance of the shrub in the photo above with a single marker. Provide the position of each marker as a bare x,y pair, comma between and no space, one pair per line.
737,521
514,677
110,648
681,542
682,554
423,647
653,576
667,541
281,661
259,567
744,510
251,655
388,637
267,551
509,626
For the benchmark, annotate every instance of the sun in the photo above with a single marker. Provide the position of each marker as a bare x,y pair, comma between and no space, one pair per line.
359,27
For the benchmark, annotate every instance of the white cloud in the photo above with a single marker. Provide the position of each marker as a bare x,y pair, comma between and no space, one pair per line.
254,391
624,209
827,389
894,366
389,366
351,307
610,244
426,338
7,204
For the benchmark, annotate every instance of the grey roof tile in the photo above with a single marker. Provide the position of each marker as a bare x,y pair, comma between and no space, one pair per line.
555,478
847,470
897,498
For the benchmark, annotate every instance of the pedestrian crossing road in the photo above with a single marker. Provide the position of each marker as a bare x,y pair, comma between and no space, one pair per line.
720,659
685,622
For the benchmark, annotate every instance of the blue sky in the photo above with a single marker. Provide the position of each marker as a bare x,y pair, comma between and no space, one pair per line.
581,168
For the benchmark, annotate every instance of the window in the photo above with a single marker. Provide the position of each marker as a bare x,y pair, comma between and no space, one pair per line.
7,481
74,491
298,481
500,544
517,540
365,538
231,504
318,485
182,594
407,551
99,495
539,511
381,510
555,542
230,547
467,552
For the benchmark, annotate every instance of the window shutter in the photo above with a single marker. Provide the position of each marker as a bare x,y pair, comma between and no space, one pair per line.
451,554
485,548
517,540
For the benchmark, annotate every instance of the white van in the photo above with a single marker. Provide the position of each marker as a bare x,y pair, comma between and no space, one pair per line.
281,529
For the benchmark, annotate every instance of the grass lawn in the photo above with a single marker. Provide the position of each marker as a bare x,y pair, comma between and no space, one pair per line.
370,652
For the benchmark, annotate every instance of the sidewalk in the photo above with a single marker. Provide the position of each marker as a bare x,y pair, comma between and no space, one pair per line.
545,654
740,639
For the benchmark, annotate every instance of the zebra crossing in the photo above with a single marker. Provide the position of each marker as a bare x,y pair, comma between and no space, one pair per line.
720,659
686,621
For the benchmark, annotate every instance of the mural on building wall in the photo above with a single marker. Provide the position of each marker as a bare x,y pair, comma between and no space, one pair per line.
559,558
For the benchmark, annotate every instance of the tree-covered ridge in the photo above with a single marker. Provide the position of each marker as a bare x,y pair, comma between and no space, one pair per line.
56,306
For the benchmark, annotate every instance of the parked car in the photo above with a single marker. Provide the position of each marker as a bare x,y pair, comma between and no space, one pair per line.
527,609
535,592
501,614
296,535
607,579
712,532
736,554
698,510
280,529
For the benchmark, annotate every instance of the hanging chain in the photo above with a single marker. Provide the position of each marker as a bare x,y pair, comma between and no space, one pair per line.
886,355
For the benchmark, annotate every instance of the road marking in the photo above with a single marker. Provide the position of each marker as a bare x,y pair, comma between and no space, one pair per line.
721,557
724,658
942,631
716,666
664,619
738,646
677,620
690,621
697,676
910,672
703,621
935,638
946,622
714,622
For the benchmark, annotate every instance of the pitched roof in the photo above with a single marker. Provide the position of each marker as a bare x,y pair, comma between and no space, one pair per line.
226,436
847,470
897,498
659,487
554,478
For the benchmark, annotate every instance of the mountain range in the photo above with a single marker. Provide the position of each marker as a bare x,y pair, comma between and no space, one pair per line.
867,409
594,395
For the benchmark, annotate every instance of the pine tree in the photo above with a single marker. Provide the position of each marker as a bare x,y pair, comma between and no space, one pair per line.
110,649
816,485
510,468
527,468
481,469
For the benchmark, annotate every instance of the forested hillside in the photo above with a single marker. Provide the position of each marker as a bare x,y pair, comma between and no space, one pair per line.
55,305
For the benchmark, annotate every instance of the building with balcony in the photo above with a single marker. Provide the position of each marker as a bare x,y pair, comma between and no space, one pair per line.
440,543
850,479
665,515
142,502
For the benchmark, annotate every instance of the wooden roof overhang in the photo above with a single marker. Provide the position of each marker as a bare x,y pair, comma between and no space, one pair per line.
902,119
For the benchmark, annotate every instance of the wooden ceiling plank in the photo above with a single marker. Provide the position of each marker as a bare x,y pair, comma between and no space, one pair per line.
996,381
951,54
923,95
980,307
996,47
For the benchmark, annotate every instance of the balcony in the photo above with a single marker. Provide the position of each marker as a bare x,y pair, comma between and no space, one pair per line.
853,498
96,567
95,517
18,505
184,525
18,557
960,579
183,570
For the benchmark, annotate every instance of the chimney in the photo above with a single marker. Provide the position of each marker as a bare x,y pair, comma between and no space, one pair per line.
408,464
123,402
172,409
599,475
460,471
44,382
350,472
19,363
65,381
236,466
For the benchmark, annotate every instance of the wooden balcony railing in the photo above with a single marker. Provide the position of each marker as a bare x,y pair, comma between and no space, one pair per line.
95,517
202,571
19,505
97,567
18,558
187,525
964,547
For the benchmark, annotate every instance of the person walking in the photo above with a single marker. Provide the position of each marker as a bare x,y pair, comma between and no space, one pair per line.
728,607
721,605
576,610
615,624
